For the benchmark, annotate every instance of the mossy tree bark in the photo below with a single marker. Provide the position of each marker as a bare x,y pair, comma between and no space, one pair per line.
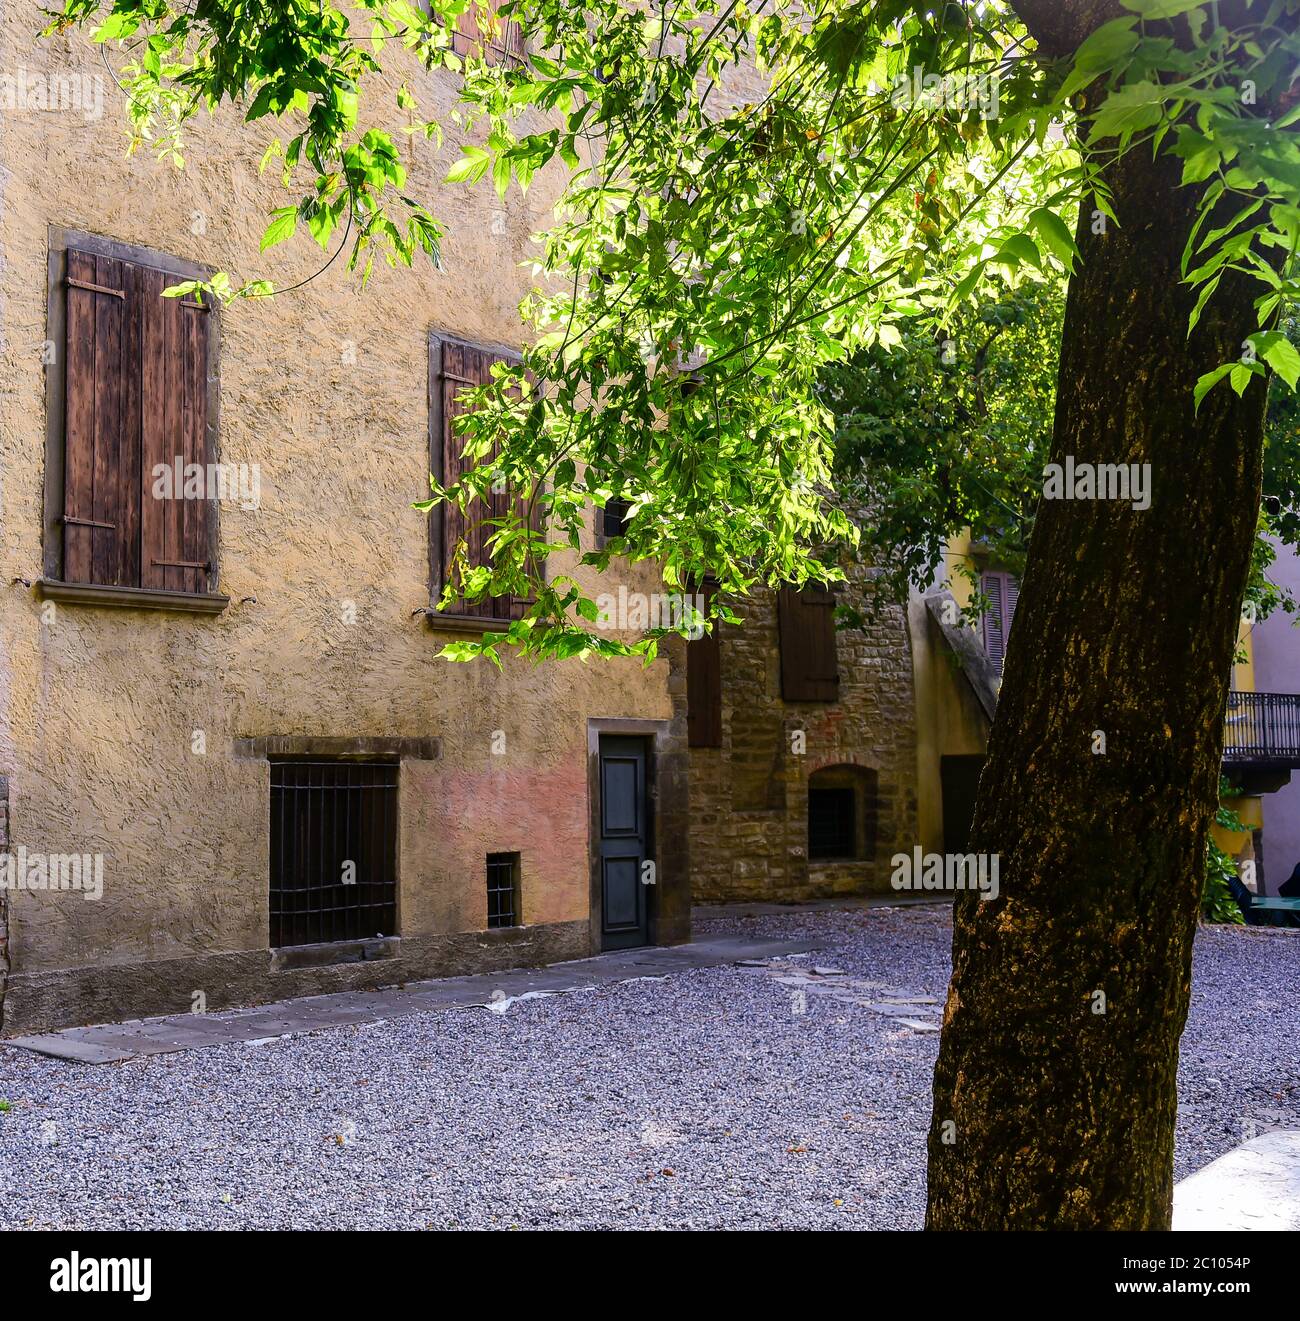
1054,1093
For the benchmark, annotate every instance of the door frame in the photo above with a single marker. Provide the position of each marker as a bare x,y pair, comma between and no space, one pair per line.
667,818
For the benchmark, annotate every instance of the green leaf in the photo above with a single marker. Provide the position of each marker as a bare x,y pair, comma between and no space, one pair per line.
1208,382
1201,155
471,167
1284,359
282,227
1207,292
1241,375
1107,44
1023,249
1129,110
1056,235
501,175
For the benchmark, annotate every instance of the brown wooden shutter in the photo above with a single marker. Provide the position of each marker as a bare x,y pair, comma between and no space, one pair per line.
175,550
454,368
809,666
704,685
504,41
95,533
137,396
456,371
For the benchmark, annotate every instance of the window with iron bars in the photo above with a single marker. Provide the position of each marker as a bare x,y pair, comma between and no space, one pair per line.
333,851
503,889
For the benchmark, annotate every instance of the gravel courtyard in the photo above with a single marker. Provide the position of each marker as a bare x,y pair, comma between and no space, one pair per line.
704,1100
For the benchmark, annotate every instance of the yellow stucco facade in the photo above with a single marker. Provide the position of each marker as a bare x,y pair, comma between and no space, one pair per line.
119,727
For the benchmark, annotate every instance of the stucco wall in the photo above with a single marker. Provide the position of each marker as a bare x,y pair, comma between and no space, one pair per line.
950,721
325,390
1276,647
749,798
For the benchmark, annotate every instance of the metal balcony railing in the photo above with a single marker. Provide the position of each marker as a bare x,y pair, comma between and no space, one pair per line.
1263,729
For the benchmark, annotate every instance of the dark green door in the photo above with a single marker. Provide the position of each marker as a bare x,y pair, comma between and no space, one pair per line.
624,843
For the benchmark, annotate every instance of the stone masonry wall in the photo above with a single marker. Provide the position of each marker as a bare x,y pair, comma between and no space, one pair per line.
749,798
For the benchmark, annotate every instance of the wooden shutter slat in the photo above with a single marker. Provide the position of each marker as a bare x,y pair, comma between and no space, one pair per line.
195,513
809,659
106,557
79,422
153,428
174,408
129,457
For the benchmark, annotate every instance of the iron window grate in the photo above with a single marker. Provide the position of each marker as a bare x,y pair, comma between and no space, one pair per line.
503,889
333,851
831,826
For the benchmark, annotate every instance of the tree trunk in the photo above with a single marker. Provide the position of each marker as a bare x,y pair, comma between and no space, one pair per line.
1054,1092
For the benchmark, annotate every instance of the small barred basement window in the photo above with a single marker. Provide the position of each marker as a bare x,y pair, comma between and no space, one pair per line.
503,889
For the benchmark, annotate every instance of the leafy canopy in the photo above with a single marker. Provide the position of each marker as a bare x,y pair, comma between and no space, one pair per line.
753,193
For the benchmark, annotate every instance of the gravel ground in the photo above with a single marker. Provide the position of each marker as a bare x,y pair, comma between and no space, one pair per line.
701,1101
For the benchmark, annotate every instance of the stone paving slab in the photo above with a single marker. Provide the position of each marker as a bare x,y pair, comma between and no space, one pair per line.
110,1043
921,1013
1254,1186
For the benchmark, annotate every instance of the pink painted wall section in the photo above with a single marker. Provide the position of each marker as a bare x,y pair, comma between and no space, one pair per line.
462,814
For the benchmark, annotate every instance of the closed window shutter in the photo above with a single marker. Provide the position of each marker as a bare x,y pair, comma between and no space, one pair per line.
136,396
455,368
704,686
175,544
809,665
95,535
503,41
1002,591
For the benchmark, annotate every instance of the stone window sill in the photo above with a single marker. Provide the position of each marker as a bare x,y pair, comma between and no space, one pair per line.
503,933
294,958
132,598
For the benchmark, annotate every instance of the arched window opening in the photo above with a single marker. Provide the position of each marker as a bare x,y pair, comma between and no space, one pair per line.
843,806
